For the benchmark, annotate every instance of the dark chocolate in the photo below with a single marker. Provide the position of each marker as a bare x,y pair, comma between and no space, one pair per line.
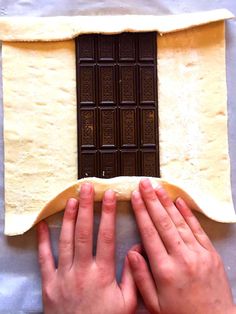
117,105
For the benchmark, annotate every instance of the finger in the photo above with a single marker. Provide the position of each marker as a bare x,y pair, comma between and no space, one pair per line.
66,242
162,221
150,237
106,236
46,260
194,225
181,225
137,248
128,287
144,281
84,226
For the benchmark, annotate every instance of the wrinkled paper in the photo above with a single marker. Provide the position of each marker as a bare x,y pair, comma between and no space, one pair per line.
20,288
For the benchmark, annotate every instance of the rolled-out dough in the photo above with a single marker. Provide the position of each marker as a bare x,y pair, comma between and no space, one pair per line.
39,95
69,27
40,133
123,187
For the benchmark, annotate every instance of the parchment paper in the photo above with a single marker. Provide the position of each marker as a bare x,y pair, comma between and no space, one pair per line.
20,290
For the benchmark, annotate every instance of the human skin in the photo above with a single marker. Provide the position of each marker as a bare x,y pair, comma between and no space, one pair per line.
83,283
186,275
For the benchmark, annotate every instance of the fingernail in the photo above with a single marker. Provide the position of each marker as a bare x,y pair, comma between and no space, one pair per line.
145,183
183,207
182,204
86,187
136,194
110,194
41,226
72,203
179,201
136,248
133,258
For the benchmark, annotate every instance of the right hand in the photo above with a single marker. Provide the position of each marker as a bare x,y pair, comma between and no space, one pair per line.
186,274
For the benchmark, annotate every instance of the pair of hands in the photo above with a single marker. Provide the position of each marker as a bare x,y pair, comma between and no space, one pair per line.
184,273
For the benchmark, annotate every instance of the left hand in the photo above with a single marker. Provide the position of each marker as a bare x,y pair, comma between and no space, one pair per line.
83,283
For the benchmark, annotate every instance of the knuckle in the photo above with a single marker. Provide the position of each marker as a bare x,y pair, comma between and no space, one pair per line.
199,231
165,199
85,197
178,245
166,273
84,205
43,258
208,263
65,244
150,194
190,266
191,270
206,257
85,202
149,232
107,236
108,206
83,235
217,260
165,223
187,260
70,214
181,225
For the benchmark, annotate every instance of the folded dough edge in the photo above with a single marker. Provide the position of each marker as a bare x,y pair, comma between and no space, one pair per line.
123,187
59,28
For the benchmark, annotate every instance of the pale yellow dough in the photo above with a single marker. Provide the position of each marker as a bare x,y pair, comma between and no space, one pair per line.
40,133
123,187
69,27
39,95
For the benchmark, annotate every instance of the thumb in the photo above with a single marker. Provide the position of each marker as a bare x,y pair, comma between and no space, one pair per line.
144,281
128,287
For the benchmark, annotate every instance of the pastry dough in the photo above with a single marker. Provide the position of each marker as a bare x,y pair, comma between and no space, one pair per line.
39,94
40,133
69,27
123,187
193,113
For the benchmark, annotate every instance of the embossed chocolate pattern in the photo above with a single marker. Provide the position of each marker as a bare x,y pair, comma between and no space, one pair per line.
117,105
